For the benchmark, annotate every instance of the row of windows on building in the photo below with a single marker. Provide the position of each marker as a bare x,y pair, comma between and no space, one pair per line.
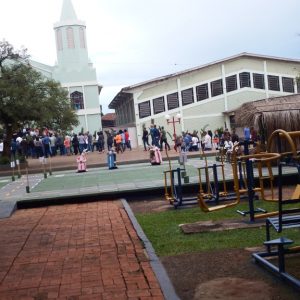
216,88
70,38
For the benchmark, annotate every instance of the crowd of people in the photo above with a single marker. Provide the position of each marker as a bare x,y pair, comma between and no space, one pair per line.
186,142
35,144
206,140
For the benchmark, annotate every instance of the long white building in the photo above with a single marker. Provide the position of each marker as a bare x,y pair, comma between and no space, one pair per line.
205,95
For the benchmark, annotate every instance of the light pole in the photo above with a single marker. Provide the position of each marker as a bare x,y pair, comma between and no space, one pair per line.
173,120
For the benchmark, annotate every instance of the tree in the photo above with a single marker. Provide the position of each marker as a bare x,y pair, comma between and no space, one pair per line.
7,52
27,97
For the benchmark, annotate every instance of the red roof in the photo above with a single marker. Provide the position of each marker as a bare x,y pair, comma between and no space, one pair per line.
109,117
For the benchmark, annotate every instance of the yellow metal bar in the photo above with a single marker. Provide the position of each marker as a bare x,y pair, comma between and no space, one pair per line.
266,215
288,137
261,180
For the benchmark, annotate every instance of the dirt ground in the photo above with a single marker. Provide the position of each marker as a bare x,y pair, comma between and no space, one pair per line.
228,274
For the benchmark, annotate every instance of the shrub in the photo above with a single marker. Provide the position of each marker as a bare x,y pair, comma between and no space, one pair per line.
4,160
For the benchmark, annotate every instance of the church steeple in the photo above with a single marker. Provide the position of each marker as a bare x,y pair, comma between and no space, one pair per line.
70,35
75,71
68,12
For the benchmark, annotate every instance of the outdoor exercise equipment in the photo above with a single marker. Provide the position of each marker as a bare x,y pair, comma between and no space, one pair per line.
243,177
260,160
291,157
27,179
286,217
212,194
50,165
173,191
43,162
12,165
18,167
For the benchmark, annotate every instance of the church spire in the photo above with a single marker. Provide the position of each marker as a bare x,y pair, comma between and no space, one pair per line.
70,38
68,12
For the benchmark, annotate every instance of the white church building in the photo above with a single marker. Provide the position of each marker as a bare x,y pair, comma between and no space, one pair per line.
74,70
204,95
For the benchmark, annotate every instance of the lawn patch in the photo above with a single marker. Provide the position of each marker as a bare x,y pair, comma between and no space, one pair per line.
162,229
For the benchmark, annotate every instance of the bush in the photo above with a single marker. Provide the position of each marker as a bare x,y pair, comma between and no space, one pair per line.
4,160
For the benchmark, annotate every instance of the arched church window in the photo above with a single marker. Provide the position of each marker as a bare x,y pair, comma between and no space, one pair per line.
82,37
59,42
77,100
70,37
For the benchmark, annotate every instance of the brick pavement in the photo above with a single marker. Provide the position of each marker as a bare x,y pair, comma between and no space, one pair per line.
76,251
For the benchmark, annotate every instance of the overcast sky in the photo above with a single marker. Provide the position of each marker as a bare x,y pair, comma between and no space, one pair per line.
130,41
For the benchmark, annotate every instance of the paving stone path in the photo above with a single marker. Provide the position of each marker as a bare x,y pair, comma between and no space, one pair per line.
76,251
14,191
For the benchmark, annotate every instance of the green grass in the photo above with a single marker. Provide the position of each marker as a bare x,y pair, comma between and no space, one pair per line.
167,238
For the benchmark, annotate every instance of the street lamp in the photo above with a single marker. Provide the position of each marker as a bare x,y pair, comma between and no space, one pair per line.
173,120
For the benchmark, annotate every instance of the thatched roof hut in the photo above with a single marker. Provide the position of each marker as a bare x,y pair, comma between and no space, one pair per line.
270,114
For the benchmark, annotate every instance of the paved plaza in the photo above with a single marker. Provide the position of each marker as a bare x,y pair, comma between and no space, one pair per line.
90,250
134,175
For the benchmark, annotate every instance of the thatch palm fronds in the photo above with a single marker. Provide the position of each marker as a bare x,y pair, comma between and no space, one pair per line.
270,114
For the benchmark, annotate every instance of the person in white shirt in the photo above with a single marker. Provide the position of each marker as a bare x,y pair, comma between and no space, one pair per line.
195,142
207,141
228,146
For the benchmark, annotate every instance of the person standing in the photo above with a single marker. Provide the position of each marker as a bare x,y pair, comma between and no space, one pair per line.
187,139
156,136
67,144
110,141
60,144
100,142
89,141
195,143
163,139
38,145
53,144
234,137
123,143
127,139
152,134
46,145
81,141
24,147
145,138
75,144
207,141
118,141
